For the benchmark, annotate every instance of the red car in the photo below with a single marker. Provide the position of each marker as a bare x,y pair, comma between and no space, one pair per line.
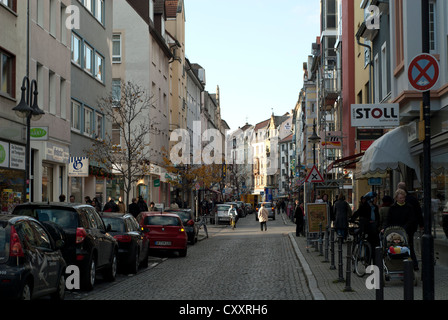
164,231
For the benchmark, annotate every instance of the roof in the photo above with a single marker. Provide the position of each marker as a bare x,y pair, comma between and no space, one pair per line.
262,125
287,139
171,8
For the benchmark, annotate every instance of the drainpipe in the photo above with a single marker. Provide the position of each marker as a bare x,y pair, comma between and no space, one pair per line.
370,67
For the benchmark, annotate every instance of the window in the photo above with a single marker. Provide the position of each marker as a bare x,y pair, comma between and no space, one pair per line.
99,67
399,51
88,58
432,27
6,70
88,121
88,5
116,134
11,4
76,116
116,48
384,73
99,126
76,49
116,92
99,10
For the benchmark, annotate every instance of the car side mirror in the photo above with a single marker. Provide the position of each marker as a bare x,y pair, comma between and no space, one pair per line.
108,228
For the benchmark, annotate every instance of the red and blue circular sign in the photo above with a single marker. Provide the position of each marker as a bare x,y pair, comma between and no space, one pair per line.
423,72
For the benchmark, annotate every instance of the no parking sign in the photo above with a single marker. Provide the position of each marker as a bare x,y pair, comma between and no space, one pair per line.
423,72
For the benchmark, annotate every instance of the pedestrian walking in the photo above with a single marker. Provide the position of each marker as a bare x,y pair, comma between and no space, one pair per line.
121,206
387,201
263,217
342,214
298,215
133,208
143,207
402,214
110,206
369,218
62,198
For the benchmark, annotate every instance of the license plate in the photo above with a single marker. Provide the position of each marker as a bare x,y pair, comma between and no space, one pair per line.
163,243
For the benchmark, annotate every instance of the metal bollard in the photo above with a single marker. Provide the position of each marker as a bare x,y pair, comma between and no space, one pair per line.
321,252
341,263
327,243
408,280
332,265
379,293
348,287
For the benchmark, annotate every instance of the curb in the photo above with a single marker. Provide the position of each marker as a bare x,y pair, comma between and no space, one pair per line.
310,278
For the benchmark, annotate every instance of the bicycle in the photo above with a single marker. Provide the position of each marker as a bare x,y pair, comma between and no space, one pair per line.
361,251
201,224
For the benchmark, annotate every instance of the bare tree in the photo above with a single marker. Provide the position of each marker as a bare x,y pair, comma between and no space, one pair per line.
126,151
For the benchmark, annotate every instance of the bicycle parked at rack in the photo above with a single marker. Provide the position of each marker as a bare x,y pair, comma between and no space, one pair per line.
361,251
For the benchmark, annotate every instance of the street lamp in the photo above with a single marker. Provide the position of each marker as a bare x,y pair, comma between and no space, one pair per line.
28,108
314,139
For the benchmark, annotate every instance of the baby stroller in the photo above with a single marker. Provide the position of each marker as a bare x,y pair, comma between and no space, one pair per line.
396,249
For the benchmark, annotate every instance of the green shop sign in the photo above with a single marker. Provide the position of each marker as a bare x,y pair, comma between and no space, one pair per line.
39,133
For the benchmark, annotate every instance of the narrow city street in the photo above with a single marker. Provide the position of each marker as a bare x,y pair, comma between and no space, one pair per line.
240,264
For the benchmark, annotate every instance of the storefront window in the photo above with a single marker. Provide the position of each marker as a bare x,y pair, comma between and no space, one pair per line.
76,184
11,188
47,183
439,193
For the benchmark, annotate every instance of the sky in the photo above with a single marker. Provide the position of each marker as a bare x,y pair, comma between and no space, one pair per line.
254,51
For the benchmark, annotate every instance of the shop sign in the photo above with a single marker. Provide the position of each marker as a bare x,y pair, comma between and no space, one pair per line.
78,167
4,154
376,115
39,133
17,157
331,139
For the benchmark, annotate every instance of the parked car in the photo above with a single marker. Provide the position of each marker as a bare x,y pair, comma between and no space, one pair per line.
31,264
88,244
224,214
249,208
164,231
133,246
269,206
190,225
241,205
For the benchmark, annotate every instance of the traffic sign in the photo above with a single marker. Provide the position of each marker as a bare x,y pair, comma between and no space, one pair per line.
314,176
423,72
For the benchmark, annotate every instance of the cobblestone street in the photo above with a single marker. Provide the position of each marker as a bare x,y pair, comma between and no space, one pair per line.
240,264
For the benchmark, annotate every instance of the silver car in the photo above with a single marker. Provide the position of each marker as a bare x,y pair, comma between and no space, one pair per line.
224,214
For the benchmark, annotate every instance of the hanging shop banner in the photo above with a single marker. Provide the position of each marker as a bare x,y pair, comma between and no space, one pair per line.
331,139
376,115
78,167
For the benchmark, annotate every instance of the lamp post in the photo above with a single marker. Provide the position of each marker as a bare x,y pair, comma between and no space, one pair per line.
314,139
28,108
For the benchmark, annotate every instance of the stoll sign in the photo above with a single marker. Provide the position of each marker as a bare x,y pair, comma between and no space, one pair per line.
376,115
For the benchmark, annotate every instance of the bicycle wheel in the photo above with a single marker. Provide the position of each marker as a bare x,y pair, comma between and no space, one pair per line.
362,258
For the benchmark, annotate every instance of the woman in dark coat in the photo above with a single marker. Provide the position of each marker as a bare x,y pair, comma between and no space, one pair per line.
342,214
298,215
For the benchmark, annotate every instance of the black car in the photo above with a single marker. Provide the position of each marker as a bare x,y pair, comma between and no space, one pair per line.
190,225
31,264
88,244
133,246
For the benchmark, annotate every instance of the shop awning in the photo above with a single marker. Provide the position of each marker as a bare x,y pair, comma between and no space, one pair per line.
347,162
388,152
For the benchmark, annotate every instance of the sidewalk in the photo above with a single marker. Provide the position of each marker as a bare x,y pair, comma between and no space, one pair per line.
324,285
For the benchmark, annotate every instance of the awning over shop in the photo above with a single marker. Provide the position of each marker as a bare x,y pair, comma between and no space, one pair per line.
347,162
388,152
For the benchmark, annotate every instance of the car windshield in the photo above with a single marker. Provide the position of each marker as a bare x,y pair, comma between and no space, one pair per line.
223,208
65,218
161,221
4,242
117,224
184,216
